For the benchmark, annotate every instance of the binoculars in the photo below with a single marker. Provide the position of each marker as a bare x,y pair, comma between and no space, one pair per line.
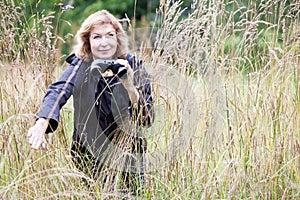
100,66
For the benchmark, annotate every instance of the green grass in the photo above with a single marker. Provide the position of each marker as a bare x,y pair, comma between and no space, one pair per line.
227,102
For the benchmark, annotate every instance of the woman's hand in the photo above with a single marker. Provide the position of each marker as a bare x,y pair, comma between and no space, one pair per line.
36,134
128,82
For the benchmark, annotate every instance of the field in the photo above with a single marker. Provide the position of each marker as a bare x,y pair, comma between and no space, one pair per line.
226,83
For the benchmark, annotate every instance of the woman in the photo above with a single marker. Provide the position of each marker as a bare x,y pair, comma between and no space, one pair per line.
109,109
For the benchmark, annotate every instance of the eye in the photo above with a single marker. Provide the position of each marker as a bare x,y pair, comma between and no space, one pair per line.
96,36
111,34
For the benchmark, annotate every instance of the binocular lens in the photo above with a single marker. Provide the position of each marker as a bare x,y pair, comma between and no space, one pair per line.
100,66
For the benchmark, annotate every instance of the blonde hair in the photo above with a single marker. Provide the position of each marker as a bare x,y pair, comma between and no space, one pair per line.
83,47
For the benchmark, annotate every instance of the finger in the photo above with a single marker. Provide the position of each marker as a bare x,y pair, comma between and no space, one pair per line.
31,137
36,146
123,62
44,146
30,140
29,133
37,142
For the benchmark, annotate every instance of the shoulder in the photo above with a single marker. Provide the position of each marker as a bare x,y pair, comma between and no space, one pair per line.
72,59
133,61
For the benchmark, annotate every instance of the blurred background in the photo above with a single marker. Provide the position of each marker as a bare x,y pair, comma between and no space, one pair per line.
226,84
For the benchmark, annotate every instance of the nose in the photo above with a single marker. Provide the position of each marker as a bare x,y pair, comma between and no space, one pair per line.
103,41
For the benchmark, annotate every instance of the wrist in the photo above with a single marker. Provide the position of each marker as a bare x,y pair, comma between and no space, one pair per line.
134,97
127,84
133,93
43,122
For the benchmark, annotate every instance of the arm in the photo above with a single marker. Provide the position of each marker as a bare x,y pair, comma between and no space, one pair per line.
57,95
48,116
139,90
144,113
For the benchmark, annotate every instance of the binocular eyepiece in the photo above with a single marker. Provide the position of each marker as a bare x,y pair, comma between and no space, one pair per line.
100,66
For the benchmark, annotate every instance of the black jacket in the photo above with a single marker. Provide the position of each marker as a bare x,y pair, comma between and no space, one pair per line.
101,105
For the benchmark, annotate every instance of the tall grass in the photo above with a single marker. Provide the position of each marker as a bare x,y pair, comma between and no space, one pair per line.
226,85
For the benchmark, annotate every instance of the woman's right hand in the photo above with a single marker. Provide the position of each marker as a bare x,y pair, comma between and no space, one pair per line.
36,134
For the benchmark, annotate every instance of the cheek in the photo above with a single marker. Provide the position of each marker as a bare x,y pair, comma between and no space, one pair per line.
93,44
115,45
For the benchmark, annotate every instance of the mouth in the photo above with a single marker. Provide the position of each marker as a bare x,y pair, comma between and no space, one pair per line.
104,50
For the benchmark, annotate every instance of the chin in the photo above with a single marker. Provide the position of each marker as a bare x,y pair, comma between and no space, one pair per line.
104,57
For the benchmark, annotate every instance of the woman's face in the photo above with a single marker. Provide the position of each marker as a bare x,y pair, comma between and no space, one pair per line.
103,41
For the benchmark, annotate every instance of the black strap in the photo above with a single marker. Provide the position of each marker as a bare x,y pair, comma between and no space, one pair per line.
70,58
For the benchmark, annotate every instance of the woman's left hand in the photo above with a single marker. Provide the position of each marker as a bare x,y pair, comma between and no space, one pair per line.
129,78
128,81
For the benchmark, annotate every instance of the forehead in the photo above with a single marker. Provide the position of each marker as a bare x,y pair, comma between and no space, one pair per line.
102,28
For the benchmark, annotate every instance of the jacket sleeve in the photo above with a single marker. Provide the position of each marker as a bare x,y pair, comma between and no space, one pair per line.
57,95
144,113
